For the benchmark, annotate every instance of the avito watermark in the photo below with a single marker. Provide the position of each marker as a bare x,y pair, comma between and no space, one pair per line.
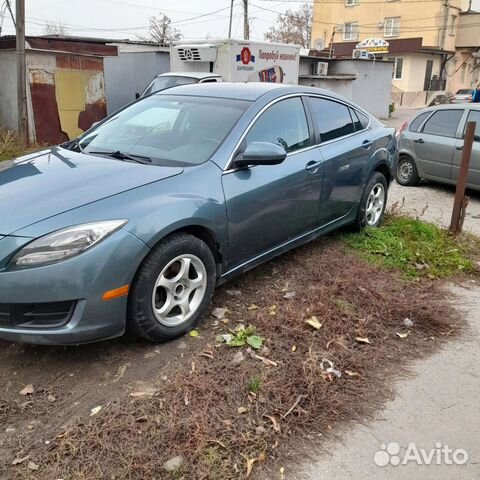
392,454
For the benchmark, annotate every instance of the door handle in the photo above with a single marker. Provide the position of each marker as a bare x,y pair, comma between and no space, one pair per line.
313,167
460,148
419,140
367,143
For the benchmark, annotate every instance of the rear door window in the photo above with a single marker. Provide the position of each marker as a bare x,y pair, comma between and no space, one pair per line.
443,123
332,118
417,122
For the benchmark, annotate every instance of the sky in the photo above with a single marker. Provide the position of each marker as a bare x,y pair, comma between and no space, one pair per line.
130,18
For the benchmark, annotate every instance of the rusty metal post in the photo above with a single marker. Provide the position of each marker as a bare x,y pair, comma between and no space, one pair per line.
460,202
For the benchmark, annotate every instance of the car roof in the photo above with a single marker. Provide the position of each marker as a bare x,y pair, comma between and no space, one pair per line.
451,106
251,91
197,75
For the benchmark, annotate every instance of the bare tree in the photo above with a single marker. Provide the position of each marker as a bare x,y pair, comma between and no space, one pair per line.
55,28
293,27
162,32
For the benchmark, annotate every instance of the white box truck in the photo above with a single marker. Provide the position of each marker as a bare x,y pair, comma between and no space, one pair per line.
238,60
228,61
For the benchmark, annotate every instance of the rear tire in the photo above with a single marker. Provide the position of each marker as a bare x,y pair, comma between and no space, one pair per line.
372,205
406,173
172,288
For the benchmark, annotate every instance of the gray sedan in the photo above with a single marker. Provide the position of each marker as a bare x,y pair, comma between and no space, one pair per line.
431,145
134,224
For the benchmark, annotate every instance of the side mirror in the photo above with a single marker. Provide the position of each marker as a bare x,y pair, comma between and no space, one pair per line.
261,153
137,96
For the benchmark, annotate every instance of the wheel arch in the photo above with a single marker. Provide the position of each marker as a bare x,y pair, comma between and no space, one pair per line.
385,170
207,236
202,232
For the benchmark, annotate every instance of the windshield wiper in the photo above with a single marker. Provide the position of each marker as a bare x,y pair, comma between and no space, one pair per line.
123,156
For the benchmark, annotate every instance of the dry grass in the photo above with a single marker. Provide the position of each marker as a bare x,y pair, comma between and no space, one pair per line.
10,146
195,412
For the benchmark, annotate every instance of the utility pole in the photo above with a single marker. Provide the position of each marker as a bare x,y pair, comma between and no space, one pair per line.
21,74
443,32
443,37
231,20
246,26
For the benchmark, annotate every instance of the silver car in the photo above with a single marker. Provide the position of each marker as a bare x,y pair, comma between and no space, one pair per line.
463,95
431,143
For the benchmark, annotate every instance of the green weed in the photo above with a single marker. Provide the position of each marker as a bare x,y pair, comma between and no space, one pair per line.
414,247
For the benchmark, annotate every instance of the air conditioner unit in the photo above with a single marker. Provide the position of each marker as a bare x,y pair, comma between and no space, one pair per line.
359,54
196,53
320,69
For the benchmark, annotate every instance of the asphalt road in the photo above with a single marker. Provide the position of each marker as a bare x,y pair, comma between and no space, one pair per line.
438,408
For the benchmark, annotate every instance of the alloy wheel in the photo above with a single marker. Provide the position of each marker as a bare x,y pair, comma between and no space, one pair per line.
375,204
179,290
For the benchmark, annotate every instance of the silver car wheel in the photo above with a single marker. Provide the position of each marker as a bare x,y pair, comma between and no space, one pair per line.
179,290
375,205
405,170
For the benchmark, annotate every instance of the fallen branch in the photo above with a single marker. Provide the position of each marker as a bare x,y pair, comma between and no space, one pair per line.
292,408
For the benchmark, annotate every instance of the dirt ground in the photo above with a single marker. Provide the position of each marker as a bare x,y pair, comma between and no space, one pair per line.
53,429
70,381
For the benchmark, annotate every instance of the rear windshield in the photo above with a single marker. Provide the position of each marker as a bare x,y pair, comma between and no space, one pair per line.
162,83
464,91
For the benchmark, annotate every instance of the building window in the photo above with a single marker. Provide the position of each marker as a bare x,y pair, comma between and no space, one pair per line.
397,68
350,31
350,3
453,24
392,27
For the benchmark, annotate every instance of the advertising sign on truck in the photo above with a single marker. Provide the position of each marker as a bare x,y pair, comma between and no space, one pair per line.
238,60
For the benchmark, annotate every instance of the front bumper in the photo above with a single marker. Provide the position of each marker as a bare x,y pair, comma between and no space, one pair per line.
82,280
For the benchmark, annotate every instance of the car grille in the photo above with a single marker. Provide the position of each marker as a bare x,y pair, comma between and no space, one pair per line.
36,315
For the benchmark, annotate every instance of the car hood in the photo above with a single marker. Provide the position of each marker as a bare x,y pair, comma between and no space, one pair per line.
42,185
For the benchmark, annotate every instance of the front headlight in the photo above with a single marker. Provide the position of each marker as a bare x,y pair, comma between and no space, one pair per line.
65,243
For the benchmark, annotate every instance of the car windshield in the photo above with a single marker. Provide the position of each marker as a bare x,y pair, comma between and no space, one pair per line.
464,91
164,82
166,129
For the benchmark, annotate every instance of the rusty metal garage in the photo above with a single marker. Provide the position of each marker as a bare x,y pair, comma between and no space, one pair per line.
65,86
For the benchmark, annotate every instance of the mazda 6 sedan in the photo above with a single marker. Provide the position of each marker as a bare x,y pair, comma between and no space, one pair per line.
133,224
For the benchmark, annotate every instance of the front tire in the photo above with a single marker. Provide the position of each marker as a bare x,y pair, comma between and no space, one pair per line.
373,203
406,173
172,289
